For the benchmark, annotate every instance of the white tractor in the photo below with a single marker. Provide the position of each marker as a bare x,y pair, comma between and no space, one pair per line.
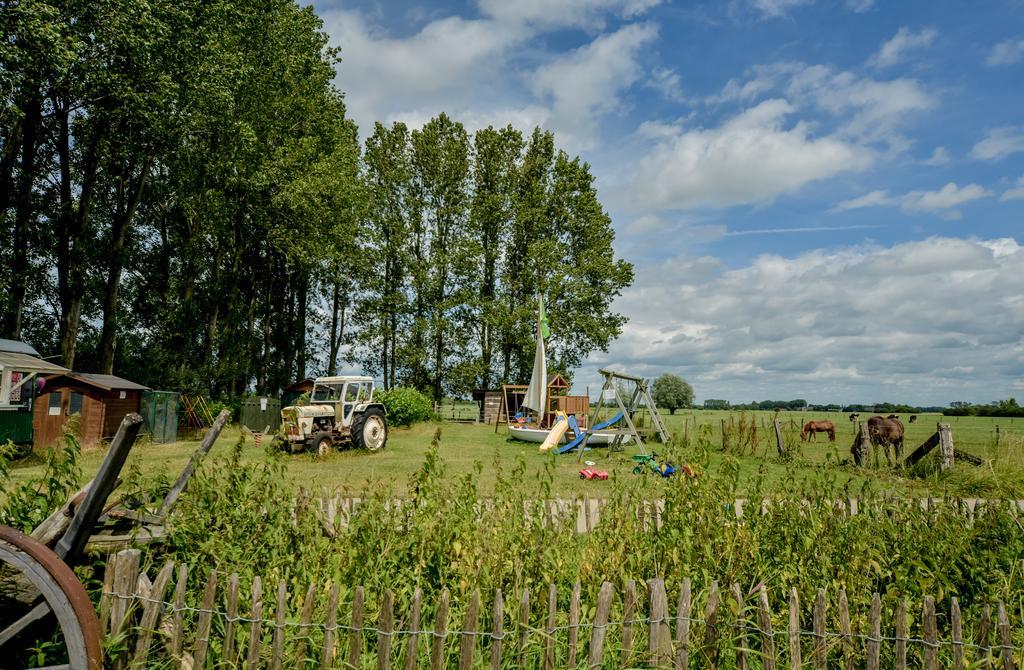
341,411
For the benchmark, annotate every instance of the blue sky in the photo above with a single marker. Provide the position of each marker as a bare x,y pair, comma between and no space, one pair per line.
822,199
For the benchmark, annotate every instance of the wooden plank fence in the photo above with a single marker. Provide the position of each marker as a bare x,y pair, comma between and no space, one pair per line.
584,514
270,624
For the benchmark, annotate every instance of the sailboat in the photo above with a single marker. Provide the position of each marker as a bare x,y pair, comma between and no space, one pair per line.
536,400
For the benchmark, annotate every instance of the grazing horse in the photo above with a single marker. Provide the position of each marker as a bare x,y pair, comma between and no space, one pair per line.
886,432
913,418
812,428
854,417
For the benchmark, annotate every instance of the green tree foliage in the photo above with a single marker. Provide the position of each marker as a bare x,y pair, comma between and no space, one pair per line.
672,392
183,201
405,406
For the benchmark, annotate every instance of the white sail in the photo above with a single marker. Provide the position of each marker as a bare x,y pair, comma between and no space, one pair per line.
537,392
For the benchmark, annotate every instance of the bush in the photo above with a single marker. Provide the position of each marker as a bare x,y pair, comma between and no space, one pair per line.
406,406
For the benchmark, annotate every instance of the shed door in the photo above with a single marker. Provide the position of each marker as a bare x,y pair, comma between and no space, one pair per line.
55,413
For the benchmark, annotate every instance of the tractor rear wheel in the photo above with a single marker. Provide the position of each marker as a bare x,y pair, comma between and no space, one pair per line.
322,443
370,430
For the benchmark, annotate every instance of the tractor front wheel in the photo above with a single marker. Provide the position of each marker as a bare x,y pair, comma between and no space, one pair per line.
322,443
370,430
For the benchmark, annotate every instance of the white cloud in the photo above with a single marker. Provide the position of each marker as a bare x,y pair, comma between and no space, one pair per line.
940,156
945,198
1007,52
999,143
778,7
1016,193
903,41
859,6
562,12
752,158
872,199
465,66
587,82
942,201
854,324
667,82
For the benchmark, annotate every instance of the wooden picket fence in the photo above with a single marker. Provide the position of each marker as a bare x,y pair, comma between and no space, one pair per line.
583,514
267,626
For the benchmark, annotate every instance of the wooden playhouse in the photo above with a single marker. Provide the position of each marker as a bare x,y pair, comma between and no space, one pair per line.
101,402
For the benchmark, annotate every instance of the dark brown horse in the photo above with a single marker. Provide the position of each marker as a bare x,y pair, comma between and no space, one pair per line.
886,432
812,428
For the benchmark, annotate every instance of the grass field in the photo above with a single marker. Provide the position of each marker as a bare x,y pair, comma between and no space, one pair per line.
464,447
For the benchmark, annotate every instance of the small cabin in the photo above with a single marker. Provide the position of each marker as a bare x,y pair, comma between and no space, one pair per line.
101,402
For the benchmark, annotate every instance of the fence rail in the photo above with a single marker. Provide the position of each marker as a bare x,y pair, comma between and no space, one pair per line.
584,514
150,623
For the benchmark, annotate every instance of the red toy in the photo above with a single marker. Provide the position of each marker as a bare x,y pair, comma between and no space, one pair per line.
591,473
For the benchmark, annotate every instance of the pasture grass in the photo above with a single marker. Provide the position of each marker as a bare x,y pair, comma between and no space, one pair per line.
465,446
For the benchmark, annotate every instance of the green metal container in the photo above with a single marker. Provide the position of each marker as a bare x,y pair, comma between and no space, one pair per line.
16,426
160,415
258,413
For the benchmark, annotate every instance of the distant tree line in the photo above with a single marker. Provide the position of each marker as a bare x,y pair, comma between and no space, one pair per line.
184,201
1008,408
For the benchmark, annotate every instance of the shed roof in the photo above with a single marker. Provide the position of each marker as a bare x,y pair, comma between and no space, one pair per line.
26,362
105,382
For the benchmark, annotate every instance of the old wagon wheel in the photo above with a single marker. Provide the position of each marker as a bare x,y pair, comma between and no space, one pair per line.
43,585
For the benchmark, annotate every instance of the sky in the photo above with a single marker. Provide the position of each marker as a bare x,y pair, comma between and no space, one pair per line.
821,199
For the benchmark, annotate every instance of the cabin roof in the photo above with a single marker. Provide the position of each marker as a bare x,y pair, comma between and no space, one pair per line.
104,382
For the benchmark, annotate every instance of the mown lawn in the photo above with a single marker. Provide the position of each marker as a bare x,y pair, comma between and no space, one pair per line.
477,451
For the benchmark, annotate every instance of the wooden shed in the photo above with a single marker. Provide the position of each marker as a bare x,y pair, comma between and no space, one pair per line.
101,401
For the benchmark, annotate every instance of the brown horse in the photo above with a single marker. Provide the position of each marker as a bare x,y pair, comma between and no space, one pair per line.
812,428
886,432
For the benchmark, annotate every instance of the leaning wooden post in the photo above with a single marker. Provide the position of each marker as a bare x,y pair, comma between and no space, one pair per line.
779,442
182,483
77,535
862,445
945,446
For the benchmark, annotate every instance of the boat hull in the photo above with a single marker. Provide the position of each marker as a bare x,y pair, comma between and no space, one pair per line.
538,435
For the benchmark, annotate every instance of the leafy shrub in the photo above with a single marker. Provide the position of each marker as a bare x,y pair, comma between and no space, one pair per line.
406,406
232,404
27,504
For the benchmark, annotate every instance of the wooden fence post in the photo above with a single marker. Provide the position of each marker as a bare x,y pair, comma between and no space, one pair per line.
875,635
628,614
331,627
600,627
659,640
549,640
355,636
574,622
440,632
764,622
412,646
945,446
256,625
151,611
385,628
795,660
741,632
844,630
306,617
523,627
725,436
820,643
710,647
280,615
901,635
497,631
204,621
780,444
232,618
957,630
1005,644
468,642
863,444
683,610
178,620
931,635
984,630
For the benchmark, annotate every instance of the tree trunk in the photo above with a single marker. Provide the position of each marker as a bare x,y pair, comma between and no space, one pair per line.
22,217
120,225
300,326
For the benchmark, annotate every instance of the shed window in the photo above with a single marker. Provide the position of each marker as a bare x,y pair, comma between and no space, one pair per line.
53,403
75,405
